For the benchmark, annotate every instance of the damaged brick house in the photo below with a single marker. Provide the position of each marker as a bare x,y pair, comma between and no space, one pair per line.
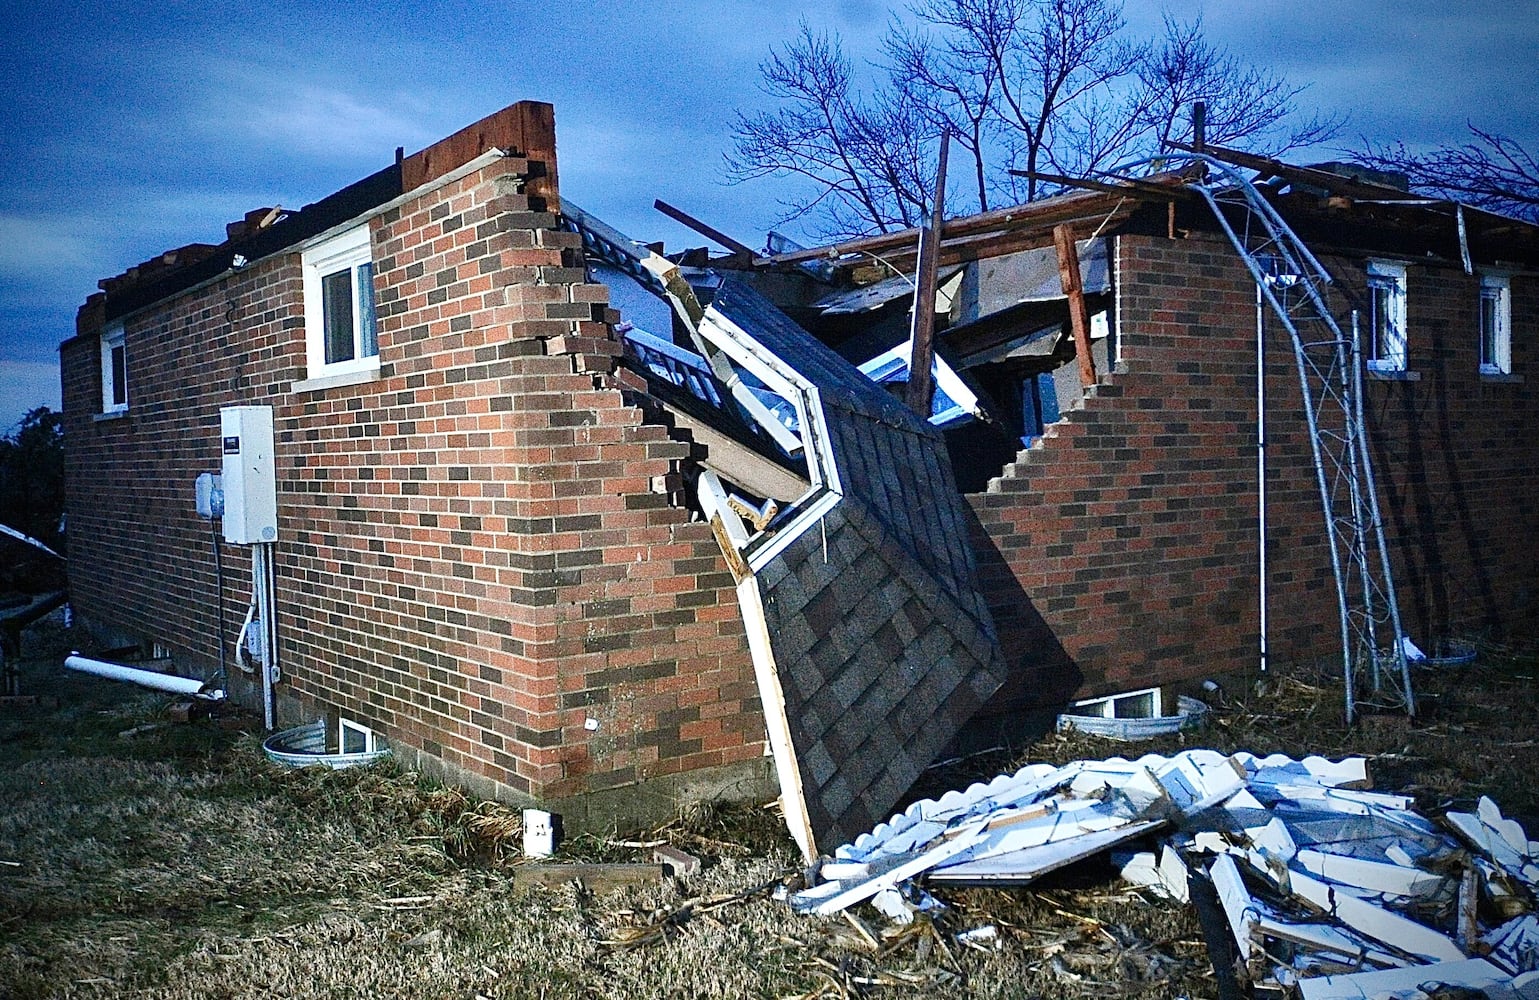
586,525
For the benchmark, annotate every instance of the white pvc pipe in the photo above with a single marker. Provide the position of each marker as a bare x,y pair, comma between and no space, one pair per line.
144,678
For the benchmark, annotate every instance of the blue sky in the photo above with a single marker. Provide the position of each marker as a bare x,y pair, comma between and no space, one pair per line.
130,129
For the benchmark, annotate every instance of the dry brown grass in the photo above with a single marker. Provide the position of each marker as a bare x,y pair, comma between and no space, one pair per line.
176,862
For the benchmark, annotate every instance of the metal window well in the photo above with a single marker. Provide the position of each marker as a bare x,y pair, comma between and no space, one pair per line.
1188,712
304,746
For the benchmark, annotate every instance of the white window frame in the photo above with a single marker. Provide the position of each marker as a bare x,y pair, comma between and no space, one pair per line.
1114,706
347,727
113,340
1495,289
344,251
953,400
1389,353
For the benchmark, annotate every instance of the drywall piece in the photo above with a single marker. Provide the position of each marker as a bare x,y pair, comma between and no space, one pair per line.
1022,866
1471,972
1372,875
1194,783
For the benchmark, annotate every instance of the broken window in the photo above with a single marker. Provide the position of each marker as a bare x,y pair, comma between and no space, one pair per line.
952,401
1385,343
1495,324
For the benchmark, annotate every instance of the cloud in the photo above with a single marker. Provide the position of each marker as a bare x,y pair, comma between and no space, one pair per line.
298,112
26,385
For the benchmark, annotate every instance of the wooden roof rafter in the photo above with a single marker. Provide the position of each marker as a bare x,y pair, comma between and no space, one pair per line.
970,237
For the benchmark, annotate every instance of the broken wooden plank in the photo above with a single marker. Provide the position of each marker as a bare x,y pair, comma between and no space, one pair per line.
679,215
1374,876
1365,918
1074,289
921,381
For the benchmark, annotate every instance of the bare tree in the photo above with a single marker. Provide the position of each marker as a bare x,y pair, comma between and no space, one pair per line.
1038,85
1244,103
859,155
1491,171
953,80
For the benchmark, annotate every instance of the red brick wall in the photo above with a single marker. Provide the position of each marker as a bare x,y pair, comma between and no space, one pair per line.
1120,550
478,551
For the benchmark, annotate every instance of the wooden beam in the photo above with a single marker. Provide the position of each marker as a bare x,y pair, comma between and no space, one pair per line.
921,382
1266,166
1074,288
681,216
1042,214
1143,189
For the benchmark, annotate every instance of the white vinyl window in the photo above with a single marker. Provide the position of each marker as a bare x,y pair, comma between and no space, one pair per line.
1145,704
340,337
114,370
1384,341
354,738
1495,324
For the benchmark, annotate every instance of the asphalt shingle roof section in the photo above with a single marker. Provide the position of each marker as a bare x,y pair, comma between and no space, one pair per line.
883,644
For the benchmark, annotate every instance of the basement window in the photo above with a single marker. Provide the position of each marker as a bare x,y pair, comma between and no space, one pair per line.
353,738
340,335
1385,338
1145,704
1495,324
114,370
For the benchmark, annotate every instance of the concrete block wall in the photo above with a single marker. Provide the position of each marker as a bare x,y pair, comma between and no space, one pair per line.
1121,549
480,551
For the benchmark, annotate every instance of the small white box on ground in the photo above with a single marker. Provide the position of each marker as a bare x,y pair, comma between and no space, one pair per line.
539,833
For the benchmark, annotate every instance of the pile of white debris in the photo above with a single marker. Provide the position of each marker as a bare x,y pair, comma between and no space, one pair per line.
1330,890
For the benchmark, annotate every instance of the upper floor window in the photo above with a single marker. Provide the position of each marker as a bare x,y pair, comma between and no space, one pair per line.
1495,324
114,370
1385,339
340,336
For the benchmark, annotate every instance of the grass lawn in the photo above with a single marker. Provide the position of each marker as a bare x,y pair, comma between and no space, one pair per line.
141,857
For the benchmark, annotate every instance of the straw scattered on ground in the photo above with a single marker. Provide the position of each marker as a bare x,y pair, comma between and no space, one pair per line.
139,857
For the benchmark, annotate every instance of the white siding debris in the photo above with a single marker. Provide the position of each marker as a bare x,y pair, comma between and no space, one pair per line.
1359,896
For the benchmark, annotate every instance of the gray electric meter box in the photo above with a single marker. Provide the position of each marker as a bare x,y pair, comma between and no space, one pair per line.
250,479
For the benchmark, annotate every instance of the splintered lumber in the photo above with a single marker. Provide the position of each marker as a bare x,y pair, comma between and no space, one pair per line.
1074,290
921,382
598,878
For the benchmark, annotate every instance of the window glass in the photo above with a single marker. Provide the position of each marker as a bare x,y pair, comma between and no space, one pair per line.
1384,341
340,335
119,388
337,312
1495,323
368,339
